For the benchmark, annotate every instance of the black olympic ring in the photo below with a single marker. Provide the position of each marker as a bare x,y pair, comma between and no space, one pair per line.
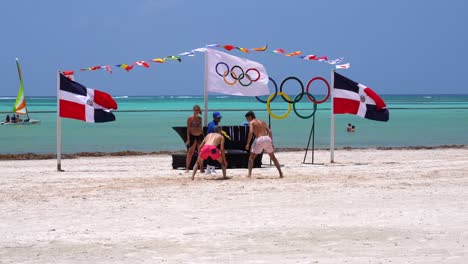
302,89
237,77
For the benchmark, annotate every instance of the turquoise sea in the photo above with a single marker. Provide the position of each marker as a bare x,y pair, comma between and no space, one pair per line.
145,124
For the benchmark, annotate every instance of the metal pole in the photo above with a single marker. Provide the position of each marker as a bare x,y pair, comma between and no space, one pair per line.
205,94
332,120
313,140
59,127
308,142
269,126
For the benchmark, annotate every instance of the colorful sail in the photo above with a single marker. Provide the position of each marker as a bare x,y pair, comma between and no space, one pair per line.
20,104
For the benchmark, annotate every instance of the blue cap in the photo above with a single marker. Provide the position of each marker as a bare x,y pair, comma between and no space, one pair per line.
217,114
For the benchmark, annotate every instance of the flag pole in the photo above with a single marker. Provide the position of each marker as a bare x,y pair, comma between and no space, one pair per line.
332,120
59,127
205,94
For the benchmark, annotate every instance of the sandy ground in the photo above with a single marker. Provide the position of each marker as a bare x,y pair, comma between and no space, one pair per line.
371,206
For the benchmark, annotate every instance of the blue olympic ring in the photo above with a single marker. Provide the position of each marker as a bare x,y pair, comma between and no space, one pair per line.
276,91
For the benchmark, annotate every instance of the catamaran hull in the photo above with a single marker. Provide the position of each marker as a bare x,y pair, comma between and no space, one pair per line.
30,122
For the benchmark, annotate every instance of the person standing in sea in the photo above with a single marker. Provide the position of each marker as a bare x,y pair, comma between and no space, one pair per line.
194,135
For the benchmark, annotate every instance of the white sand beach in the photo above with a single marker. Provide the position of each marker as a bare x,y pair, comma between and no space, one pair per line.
370,206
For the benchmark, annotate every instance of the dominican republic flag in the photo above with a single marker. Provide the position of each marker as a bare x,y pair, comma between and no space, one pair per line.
227,74
89,105
350,97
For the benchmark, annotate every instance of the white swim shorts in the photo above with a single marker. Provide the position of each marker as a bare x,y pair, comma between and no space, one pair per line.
262,143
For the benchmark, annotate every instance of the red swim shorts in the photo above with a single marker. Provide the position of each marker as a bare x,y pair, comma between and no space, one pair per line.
210,151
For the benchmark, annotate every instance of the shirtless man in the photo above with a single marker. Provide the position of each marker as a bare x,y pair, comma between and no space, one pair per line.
209,148
263,141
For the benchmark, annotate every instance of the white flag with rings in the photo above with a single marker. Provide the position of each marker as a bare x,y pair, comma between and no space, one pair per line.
227,74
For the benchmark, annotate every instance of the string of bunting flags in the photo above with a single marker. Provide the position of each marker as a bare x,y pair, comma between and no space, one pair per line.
146,63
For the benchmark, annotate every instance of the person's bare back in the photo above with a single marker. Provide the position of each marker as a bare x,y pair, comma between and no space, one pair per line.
213,139
259,127
209,148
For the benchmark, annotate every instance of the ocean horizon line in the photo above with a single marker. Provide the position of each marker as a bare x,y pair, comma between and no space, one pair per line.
239,110
123,96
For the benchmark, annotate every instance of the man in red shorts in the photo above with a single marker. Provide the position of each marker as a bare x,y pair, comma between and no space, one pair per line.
209,148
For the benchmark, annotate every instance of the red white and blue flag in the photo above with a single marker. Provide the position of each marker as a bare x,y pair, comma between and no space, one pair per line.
350,97
89,105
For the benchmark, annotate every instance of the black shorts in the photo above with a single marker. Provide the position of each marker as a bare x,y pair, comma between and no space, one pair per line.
193,138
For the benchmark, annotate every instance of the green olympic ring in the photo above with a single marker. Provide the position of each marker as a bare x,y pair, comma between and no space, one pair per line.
314,109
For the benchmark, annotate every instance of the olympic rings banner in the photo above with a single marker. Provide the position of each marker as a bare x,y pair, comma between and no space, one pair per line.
228,74
297,98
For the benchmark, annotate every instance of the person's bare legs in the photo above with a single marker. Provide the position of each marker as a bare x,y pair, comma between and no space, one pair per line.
195,167
223,166
277,165
251,161
202,170
190,152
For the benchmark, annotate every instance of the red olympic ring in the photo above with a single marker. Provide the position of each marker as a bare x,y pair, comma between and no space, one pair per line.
313,99
248,76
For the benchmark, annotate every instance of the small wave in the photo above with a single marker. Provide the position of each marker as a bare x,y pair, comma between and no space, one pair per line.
121,97
427,97
42,98
186,97
7,98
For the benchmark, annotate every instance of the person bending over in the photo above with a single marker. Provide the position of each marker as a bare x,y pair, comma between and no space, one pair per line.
209,149
263,141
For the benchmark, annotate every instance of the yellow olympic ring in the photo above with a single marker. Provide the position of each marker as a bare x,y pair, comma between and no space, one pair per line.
269,108
224,78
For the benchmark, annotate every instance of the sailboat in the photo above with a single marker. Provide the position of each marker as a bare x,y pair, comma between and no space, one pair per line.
20,107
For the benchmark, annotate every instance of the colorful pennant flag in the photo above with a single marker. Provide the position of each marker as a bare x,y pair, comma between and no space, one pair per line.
125,67
227,47
143,64
264,48
295,53
343,66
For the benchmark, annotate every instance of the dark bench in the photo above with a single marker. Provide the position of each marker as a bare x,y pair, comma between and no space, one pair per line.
236,154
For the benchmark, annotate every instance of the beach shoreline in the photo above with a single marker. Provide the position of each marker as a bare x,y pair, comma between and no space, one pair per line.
42,156
369,206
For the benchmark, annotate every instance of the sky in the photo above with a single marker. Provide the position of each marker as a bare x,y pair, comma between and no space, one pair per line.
394,47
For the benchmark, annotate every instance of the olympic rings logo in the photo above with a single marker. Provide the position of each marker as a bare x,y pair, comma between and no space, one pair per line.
238,74
297,98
